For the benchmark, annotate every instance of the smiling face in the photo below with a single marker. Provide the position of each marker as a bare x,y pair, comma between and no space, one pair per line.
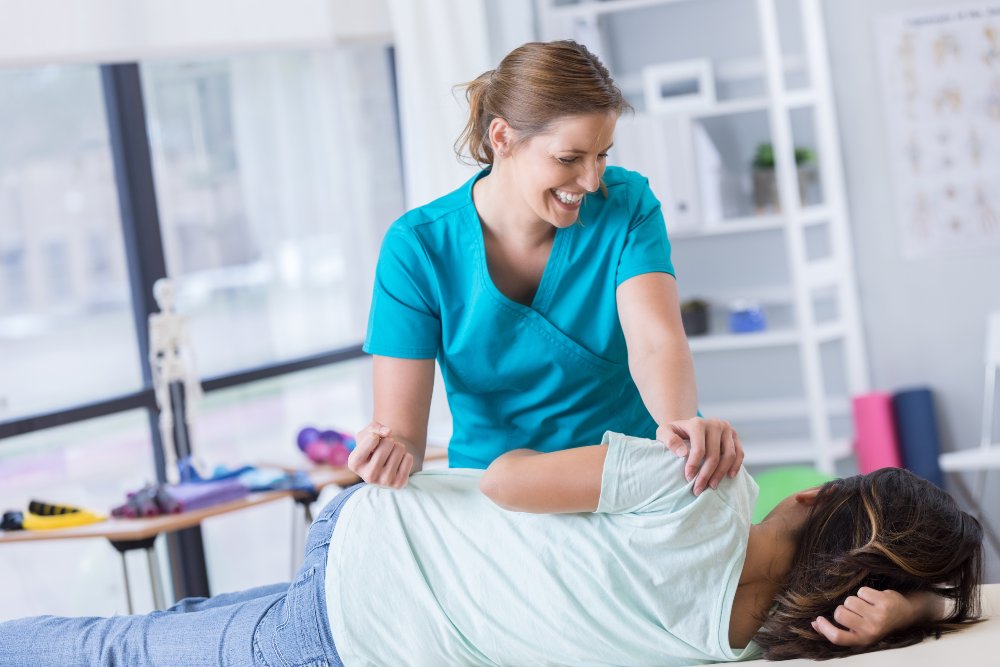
548,174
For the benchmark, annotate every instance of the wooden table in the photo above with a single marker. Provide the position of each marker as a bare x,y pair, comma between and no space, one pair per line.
129,534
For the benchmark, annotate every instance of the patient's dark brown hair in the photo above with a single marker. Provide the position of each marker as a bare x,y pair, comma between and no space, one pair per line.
887,530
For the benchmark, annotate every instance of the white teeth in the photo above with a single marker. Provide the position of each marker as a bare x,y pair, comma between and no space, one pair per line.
568,198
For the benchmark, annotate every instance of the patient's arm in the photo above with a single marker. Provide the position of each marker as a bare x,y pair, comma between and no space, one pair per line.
565,481
872,614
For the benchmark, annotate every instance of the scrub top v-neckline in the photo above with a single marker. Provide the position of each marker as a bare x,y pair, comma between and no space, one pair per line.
539,303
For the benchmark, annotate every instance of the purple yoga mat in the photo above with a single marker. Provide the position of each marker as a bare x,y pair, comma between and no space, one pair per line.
192,496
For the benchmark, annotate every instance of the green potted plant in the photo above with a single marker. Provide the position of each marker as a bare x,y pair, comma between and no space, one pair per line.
765,185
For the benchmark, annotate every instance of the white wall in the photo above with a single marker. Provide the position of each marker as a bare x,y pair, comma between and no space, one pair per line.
56,31
924,320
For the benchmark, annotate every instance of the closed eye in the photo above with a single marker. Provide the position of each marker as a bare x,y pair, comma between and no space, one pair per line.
573,160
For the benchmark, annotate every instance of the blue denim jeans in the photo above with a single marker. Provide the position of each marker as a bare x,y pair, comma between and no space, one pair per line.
282,625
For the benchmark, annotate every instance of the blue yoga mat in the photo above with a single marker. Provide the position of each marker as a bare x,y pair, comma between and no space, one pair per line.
917,430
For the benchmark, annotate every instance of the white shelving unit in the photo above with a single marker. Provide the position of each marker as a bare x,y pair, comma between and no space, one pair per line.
769,61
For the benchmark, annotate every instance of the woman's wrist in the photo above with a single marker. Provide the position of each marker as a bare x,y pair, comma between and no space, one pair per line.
927,607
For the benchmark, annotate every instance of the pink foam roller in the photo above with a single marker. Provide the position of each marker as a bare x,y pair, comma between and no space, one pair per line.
875,441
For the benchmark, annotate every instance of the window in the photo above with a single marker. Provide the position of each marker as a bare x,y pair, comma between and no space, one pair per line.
270,204
275,177
65,337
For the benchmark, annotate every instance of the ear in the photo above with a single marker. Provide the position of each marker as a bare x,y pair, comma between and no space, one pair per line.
501,136
807,497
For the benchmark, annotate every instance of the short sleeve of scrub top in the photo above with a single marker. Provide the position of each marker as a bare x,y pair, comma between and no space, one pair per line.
646,249
403,321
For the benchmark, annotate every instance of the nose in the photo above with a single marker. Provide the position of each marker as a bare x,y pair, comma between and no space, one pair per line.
590,178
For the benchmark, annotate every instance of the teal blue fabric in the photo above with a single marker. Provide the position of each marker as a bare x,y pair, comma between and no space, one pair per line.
547,376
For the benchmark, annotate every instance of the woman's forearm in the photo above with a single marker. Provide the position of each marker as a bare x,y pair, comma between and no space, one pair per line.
658,354
664,375
402,397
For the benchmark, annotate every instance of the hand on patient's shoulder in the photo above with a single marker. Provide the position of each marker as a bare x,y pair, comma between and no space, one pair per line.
712,448
379,459
867,617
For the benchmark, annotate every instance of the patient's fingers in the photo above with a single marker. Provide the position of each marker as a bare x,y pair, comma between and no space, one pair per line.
885,610
865,617
859,606
847,618
836,635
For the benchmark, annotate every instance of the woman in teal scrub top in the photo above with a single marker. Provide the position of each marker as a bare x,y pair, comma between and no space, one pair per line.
543,287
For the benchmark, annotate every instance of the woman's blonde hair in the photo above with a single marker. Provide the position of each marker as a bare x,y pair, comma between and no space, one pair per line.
534,85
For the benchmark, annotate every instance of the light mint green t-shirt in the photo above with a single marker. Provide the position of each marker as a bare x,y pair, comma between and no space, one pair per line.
436,574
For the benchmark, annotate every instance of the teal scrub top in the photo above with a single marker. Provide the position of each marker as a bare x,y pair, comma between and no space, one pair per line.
548,376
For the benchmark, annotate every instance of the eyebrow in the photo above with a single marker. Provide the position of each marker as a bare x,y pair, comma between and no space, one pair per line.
581,152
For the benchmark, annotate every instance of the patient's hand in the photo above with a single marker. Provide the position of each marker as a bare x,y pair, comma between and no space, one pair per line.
712,448
379,459
872,614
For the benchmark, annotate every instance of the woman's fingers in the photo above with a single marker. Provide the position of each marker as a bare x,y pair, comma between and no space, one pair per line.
386,475
366,442
403,474
674,441
695,429
714,450
712,446
380,460
728,457
740,455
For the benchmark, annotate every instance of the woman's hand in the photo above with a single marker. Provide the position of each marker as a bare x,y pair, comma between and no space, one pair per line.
379,459
712,448
872,614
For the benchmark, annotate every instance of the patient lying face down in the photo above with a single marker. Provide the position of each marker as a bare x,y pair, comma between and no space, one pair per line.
598,555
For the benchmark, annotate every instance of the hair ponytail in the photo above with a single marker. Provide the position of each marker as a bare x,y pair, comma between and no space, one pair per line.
474,141
534,85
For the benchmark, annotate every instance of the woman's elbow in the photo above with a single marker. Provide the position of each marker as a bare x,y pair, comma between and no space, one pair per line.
492,485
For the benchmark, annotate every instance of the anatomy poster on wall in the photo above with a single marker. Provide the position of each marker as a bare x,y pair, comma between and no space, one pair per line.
941,90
